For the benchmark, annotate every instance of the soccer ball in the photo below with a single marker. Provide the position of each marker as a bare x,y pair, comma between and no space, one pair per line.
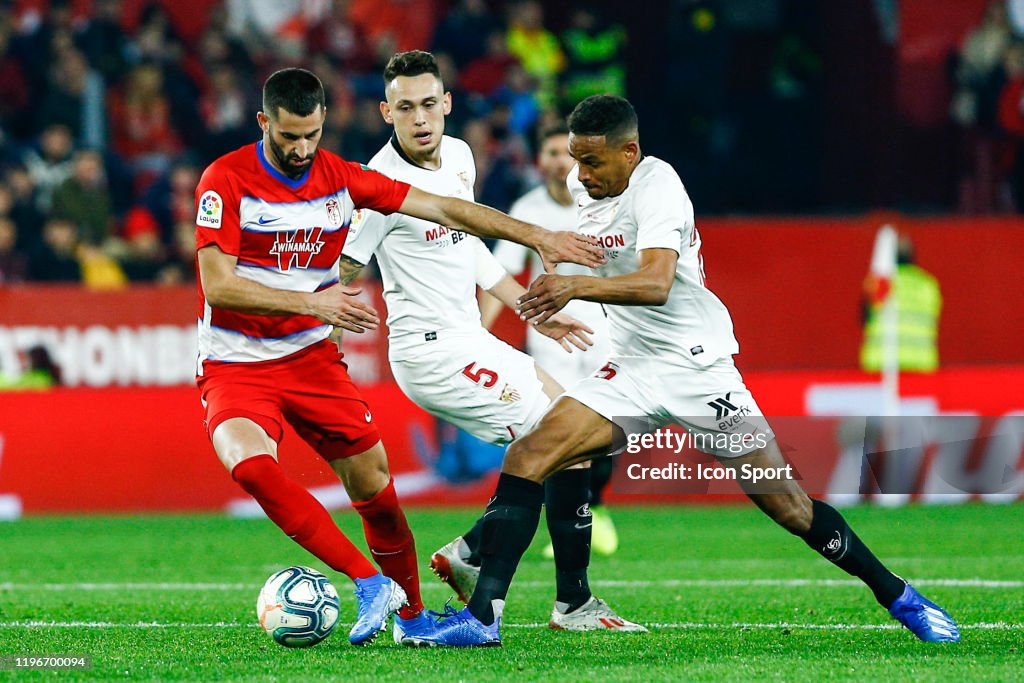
298,607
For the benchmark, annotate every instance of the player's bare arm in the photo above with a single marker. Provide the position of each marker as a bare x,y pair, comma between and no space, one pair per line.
483,221
335,305
647,286
490,309
564,329
349,269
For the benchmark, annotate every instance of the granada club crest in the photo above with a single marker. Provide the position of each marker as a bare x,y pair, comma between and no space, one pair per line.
297,247
334,212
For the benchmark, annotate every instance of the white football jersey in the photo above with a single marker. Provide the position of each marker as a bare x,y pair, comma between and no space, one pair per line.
654,212
430,272
538,207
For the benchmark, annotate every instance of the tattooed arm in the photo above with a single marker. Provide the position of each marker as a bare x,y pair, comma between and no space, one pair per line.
348,270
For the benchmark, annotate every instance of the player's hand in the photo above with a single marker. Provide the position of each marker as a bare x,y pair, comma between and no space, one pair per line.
338,306
546,296
569,247
567,331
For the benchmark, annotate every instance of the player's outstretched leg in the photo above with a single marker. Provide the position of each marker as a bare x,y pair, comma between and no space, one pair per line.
831,536
303,519
300,516
372,490
825,530
566,502
566,433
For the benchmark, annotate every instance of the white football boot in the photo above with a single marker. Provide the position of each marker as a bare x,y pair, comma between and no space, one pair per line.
450,566
593,615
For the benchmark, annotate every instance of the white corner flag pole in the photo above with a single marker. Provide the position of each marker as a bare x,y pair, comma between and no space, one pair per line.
883,268
10,505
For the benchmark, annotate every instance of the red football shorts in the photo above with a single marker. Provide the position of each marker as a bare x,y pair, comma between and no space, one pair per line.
311,390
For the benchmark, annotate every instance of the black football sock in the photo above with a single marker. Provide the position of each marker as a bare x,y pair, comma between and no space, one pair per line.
566,501
600,475
472,540
833,538
510,522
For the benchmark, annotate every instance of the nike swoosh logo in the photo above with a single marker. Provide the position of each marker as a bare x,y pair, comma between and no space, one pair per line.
266,222
583,526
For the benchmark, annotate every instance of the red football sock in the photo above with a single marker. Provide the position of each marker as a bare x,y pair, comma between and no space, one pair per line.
392,545
300,516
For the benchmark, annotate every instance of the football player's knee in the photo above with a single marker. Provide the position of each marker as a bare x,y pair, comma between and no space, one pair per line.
523,460
366,485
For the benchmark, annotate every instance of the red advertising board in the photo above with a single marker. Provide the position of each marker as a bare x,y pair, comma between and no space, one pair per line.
128,449
145,449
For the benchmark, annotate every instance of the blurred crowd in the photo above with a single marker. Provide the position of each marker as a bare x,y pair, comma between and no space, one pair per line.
988,105
105,127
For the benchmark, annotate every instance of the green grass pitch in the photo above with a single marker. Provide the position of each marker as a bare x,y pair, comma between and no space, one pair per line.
727,595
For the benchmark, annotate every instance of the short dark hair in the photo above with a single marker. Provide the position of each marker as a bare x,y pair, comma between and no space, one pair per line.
551,131
607,115
411,63
297,91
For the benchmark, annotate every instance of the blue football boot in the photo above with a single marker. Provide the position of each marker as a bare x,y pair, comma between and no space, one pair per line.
378,597
924,618
417,631
462,629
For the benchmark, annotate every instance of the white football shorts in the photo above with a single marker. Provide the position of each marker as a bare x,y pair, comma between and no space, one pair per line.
567,368
712,401
477,382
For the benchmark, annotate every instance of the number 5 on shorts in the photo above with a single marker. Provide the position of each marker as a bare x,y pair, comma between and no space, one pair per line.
608,371
482,376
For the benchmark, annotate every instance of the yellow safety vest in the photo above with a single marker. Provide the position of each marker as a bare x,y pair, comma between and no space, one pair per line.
919,303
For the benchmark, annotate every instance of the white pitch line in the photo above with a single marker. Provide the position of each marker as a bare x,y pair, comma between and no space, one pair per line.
599,583
734,583
985,626
109,624
131,586
988,626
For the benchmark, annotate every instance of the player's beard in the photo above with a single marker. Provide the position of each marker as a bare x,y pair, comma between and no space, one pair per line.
284,161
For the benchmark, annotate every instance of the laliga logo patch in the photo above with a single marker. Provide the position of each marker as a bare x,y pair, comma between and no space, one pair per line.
355,222
211,210
334,212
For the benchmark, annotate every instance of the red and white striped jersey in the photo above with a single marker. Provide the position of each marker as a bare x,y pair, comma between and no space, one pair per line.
287,234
